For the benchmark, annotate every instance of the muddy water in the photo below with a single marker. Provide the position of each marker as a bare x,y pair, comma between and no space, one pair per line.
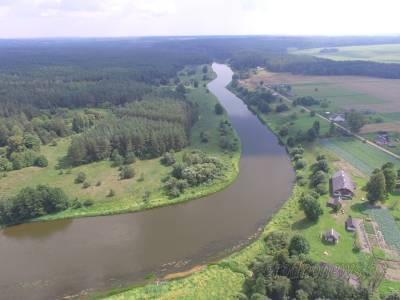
54,259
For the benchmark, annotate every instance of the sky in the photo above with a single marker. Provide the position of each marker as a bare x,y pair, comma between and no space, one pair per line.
119,18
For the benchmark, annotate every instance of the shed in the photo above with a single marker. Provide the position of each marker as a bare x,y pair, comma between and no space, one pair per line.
350,224
342,185
332,236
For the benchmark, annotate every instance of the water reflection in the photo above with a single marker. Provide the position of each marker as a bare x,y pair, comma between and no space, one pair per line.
37,230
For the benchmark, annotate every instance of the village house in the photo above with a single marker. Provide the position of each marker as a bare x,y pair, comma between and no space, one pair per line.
332,236
342,185
350,224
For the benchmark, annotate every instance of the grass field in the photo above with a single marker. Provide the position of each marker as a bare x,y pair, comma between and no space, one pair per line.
128,193
386,53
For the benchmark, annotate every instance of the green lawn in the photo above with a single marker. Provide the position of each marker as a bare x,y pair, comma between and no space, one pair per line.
386,53
363,156
128,193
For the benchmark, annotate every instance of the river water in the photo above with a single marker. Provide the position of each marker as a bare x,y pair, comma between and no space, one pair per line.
48,260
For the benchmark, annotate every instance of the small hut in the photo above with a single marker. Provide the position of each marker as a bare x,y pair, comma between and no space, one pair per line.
332,236
350,224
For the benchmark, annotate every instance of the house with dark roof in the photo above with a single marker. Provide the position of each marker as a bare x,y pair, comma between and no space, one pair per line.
342,185
332,236
350,224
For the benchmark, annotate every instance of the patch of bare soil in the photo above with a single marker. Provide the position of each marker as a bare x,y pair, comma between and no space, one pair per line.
388,127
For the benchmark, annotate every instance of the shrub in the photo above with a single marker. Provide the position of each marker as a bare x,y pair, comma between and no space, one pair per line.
41,161
168,159
98,183
80,178
141,177
76,204
219,110
300,164
276,241
88,202
299,245
126,172
111,193
86,185
130,158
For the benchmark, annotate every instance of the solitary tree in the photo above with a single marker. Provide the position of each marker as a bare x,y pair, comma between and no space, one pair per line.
219,110
376,187
390,177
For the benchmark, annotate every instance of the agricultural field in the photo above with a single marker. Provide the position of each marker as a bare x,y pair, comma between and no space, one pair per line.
343,92
386,53
388,227
129,193
363,156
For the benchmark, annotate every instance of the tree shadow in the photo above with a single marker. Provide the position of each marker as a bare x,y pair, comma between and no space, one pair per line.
302,224
360,207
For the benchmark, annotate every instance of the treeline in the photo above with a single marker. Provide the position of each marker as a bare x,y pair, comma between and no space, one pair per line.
145,129
31,203
308,65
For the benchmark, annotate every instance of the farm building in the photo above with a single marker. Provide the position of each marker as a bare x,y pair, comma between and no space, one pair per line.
332,236
338,118
335,202
350,224
342,185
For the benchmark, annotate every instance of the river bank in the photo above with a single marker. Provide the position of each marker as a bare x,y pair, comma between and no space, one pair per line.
92,253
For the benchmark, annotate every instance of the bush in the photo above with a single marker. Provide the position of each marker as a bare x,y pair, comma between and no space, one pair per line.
80,178
41,161
299,245
86,185
88,203
5,164
168,159
282,107
300,164
76,204
126,172
204,137
311,207
276,241
219,110
98,183
130,158
111,193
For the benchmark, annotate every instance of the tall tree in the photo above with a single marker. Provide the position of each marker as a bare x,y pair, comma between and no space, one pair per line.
376,187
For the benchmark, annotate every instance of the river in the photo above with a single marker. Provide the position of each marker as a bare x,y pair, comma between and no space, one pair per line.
48,260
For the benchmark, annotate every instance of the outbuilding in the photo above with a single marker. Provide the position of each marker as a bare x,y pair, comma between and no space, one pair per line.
350,224
332,236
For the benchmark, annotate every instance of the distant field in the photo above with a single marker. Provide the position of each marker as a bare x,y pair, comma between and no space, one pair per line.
344,92
363,156
387,53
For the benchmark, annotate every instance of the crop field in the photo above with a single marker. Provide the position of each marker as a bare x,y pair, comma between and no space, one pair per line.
363,156
386,53
388,227
344,92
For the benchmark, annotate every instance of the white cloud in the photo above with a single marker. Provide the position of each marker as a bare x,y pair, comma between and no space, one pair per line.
26,18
